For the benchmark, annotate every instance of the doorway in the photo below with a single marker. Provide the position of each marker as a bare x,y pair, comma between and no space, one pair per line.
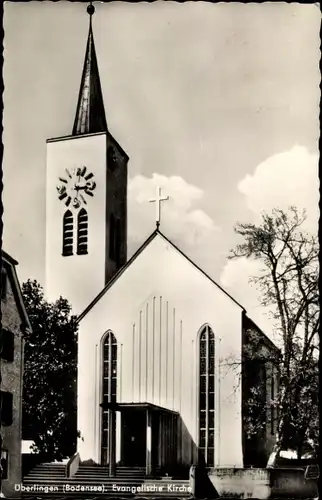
133,438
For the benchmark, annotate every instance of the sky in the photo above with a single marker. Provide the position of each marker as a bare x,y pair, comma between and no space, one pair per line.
216,103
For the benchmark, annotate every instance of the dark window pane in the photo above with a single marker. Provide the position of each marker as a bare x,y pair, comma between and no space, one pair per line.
203,365
203,383
105,420
202,419
211,382
105,438
203,336
211,364
202,401
202,454
211,439
212,348
211,400
104,456
105,370
203,349
202,438
211,419
210,457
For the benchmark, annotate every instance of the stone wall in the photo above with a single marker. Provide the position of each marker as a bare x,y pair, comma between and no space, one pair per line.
260,484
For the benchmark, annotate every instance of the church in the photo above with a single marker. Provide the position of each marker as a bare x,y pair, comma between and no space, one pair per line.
162,376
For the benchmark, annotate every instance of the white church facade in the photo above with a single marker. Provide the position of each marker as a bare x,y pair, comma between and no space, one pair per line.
161,364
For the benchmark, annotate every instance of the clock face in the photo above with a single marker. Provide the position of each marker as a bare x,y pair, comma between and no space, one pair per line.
76,186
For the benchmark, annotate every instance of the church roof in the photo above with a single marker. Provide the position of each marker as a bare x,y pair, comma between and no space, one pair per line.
90,112
116,276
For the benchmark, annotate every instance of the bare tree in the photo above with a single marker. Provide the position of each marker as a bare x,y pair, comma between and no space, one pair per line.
288,283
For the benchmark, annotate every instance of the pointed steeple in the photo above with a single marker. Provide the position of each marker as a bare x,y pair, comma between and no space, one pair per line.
90,113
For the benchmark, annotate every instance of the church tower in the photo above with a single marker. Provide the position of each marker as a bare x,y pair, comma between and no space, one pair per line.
86,197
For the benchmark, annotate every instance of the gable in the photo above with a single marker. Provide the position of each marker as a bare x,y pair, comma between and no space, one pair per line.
159,257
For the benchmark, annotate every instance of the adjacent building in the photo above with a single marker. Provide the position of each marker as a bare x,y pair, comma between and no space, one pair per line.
14,323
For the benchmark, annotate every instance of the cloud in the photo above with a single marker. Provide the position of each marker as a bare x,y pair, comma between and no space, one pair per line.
285,179
289,178
188,226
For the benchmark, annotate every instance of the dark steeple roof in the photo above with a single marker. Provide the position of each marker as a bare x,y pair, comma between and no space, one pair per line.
90,113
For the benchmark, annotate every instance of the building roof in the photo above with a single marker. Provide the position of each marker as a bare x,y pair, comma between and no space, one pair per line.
90,112
9,264
134,257
248,322
8,258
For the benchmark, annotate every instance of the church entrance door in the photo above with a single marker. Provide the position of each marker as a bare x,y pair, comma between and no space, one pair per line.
133,438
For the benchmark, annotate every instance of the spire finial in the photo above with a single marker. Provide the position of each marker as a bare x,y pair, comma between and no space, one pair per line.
90,9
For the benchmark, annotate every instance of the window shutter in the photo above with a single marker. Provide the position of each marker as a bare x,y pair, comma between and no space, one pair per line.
68,230
82,232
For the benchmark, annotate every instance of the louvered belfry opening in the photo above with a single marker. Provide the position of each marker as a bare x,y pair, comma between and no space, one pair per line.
109,394
82,232
207,396
68,229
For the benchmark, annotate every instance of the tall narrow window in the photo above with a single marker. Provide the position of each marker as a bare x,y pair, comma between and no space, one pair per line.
272,404
112,237
82,232
68,230
207,395
109,391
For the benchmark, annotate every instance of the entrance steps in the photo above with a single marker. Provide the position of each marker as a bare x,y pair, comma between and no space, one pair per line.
93,481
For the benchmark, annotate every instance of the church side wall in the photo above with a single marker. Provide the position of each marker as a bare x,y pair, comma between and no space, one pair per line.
156,313
77,277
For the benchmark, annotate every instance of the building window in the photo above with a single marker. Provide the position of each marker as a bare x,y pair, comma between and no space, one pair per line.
4,284
207,396
6,408
109,391
68,229
82,232
273,413
263,392
7,345
4,464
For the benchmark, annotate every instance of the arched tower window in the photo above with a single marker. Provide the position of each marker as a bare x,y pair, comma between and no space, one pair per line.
68,230
82,232
109,392
207,395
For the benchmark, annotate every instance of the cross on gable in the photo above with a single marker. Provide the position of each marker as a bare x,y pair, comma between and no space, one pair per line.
158,199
